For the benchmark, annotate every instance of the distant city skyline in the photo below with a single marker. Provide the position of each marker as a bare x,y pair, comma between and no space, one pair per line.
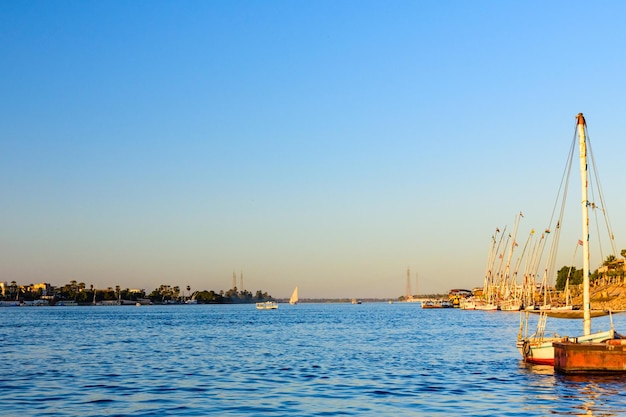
328,145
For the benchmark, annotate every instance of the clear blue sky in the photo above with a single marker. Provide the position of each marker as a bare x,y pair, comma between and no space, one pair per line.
324,144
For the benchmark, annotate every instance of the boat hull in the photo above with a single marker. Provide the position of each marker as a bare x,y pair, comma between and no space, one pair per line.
486,307
537,352
590,358
542,352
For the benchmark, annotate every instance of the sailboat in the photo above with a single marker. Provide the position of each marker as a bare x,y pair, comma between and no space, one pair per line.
571,356
294,297
488,302
538,348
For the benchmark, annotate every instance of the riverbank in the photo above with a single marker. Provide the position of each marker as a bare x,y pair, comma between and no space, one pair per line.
607,297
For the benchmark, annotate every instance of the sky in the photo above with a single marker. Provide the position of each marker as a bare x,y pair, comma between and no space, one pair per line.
328,145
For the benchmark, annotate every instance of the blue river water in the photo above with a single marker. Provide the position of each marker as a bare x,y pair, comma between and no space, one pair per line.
304,360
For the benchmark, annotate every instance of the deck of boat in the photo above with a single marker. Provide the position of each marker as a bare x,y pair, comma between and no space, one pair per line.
573,314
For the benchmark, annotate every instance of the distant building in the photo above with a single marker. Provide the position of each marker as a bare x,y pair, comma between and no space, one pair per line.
44,287
612,267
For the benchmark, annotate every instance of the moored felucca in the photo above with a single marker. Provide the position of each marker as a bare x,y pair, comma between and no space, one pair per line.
575,355
539,348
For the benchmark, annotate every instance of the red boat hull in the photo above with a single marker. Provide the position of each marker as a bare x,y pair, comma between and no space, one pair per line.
535,361
590,358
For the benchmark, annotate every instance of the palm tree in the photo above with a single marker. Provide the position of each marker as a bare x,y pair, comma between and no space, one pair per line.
13,288
609,259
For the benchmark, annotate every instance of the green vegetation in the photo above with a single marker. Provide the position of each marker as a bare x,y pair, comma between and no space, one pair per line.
611,269
166,294
575,277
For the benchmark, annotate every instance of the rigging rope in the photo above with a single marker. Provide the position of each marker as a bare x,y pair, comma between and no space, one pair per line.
602,207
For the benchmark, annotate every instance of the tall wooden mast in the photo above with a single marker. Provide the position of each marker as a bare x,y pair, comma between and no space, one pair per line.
582,145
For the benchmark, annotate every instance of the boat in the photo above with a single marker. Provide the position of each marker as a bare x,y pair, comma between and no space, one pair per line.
267,305
485,306
540,348
578,355
294,297
355,301
510,305
574,356
537,349
467,304
458,297
437,304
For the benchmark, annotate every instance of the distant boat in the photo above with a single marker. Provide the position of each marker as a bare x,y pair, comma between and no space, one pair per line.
294,297
267,305
485,306
355,301
436,304
467,304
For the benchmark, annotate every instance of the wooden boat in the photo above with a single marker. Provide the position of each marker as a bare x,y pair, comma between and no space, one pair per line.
467,304
485,306
511,305
576,355
539,348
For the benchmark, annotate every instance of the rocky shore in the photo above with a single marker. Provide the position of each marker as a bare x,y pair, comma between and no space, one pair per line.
606,297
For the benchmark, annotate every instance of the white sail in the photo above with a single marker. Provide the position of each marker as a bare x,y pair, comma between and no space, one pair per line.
294,297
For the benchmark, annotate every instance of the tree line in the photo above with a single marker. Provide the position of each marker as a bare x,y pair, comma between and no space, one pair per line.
614,270
164,294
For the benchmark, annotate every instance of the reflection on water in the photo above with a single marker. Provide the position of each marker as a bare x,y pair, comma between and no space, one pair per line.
576,395
593,395
309,359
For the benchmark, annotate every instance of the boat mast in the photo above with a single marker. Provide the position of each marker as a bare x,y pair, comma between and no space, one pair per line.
582,144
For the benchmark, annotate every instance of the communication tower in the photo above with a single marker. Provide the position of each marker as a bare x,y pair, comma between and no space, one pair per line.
408,294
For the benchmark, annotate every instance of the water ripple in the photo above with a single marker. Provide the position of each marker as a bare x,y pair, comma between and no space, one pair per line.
307,360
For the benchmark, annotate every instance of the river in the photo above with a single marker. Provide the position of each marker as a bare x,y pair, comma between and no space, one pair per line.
304,360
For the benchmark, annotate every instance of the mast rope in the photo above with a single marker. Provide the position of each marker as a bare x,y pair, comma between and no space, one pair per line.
602,207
